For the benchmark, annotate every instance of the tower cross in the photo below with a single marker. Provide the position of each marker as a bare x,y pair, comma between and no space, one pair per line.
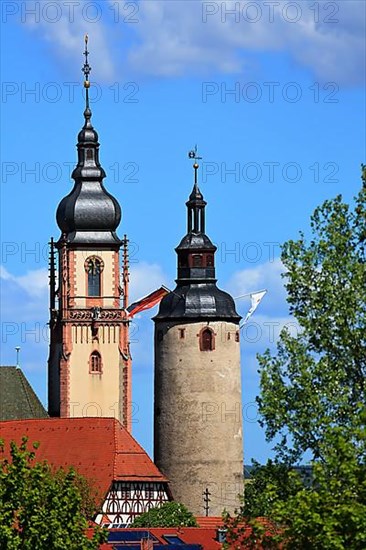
86,69
206,500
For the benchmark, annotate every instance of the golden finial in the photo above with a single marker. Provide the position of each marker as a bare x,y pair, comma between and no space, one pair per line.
193,155
86,70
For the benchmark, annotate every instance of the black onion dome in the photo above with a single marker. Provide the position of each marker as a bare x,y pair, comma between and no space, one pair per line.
197,302
89,214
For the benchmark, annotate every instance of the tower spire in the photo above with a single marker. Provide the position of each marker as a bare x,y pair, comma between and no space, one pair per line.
89,214
86,69
196,204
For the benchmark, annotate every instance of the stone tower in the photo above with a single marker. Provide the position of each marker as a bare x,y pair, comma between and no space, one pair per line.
89,366
198,441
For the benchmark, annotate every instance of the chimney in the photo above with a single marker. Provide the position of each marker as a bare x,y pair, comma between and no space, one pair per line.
220,535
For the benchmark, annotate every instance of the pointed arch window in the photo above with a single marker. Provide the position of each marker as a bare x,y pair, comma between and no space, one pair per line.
94,267
207,339
95,363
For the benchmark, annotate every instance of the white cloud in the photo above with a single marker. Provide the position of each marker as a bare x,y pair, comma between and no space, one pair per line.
145,278
176,37
64,28
262,331
34,283
264,276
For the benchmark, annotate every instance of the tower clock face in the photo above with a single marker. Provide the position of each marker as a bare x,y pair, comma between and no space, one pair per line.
94,264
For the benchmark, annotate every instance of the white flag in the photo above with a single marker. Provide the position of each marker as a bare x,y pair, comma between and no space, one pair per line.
256,298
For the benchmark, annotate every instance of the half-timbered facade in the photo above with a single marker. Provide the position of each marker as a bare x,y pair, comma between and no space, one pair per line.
127,481
127,500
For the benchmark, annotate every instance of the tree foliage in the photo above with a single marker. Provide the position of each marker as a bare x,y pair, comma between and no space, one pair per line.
170,514
268,483
313,398
40,508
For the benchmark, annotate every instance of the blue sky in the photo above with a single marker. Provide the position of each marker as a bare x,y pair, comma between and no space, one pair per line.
272,93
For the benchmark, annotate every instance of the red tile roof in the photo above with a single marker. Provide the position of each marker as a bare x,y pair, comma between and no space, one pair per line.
99,448
210,521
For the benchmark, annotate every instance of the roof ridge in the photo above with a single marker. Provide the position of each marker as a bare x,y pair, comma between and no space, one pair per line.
22,380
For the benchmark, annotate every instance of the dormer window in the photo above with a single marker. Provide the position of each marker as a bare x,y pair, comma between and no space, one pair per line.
94,267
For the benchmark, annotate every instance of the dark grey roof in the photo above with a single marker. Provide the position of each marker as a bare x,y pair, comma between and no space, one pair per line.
198,301
197,241
89,214
17,398
196,195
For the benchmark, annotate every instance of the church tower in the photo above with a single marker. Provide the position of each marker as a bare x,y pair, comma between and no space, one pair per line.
197,419
89,366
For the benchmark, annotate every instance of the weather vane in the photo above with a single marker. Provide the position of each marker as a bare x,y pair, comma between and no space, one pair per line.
193,155
86,69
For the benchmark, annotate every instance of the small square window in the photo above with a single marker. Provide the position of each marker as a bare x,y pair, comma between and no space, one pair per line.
197,260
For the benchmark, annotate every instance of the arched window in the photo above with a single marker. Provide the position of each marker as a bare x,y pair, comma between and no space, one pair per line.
94,267
95,363
207,340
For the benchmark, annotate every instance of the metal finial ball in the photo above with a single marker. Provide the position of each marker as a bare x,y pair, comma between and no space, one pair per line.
86,84
195,166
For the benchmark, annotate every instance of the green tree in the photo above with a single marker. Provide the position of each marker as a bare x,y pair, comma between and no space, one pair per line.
313,396
40,508
267,483
170,514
